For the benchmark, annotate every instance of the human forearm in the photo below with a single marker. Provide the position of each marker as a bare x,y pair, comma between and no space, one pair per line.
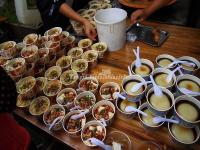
69,12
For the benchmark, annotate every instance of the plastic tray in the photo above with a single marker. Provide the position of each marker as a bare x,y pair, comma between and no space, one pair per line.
144,34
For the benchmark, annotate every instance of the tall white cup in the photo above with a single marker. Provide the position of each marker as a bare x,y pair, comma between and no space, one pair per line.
111,27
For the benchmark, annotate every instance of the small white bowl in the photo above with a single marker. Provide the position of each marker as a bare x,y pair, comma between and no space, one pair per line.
30,39
192,101
58,124
134,78
189,59
167,72
147,63
77,133
156,110
68,105
170,59
189,78
101,103
83,94
175,140
109,84
69,74
94,91
56,69
89,124
72,53
145,125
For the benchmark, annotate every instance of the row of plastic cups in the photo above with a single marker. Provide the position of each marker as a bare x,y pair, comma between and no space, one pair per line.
167,94
100,48
64,121
180,113
177,84
148,66
170,62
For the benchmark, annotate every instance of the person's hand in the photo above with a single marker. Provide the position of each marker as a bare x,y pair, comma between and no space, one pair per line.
138,16
90,32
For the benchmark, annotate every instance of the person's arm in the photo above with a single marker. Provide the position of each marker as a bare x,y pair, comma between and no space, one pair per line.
69,12
141,14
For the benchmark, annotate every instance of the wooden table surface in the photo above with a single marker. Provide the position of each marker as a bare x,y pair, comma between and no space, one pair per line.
182,41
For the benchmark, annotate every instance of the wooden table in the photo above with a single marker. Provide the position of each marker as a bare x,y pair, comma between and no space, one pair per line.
182,41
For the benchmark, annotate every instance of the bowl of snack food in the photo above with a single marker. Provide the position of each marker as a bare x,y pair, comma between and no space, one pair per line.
188,85
75,53
85,100
128,83
147,121
165,60
183,136
52,88
91,57
108,89
53,47
160,76
104,110
85,44
93,129
16,66
189,69
30,39
144,70
89,84
118,139
64,62
71,126
122,104
69,78
30,54
39,106
27,87
40,83
22,102
187,111
51,114
54,34
80,66
160,104
101,48
43,55
66,97
8,49
3,62
53,73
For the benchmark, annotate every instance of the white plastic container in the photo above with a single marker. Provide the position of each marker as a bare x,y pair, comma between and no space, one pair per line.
27,13
111,27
